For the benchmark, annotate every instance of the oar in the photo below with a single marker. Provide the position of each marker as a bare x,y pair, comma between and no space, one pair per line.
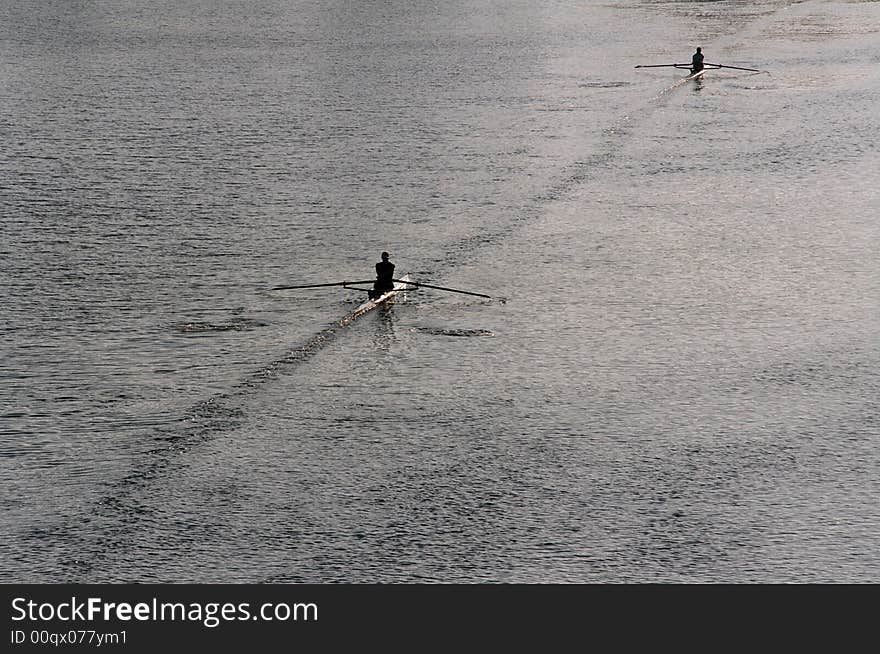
753,70
442,288
282,288
663,65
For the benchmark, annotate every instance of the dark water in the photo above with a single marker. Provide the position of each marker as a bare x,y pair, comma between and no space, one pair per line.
681,385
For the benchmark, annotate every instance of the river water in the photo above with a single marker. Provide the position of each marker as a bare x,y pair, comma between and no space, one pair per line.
676,379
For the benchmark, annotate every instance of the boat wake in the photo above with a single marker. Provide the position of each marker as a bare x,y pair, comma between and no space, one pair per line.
200,327
439,331
117,511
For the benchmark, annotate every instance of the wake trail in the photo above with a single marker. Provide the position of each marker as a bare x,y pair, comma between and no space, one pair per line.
118,512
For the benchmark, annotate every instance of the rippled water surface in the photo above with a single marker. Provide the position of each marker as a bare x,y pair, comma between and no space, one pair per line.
676,379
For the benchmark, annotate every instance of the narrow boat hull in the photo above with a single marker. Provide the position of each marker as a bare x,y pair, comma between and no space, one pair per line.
386,297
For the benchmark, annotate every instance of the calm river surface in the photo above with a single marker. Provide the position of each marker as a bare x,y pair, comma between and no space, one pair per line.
676,379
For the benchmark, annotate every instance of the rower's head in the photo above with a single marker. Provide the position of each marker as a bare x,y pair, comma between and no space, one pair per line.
699,49
385,256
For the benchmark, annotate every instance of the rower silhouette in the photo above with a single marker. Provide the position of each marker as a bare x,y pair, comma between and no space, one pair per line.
384,277
697,61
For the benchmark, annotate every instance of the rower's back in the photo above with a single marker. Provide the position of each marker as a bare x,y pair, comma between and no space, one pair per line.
697,61
384,275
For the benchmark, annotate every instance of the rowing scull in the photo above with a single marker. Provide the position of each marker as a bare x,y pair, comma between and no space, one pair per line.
696,75
400,285
405,283
706,66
